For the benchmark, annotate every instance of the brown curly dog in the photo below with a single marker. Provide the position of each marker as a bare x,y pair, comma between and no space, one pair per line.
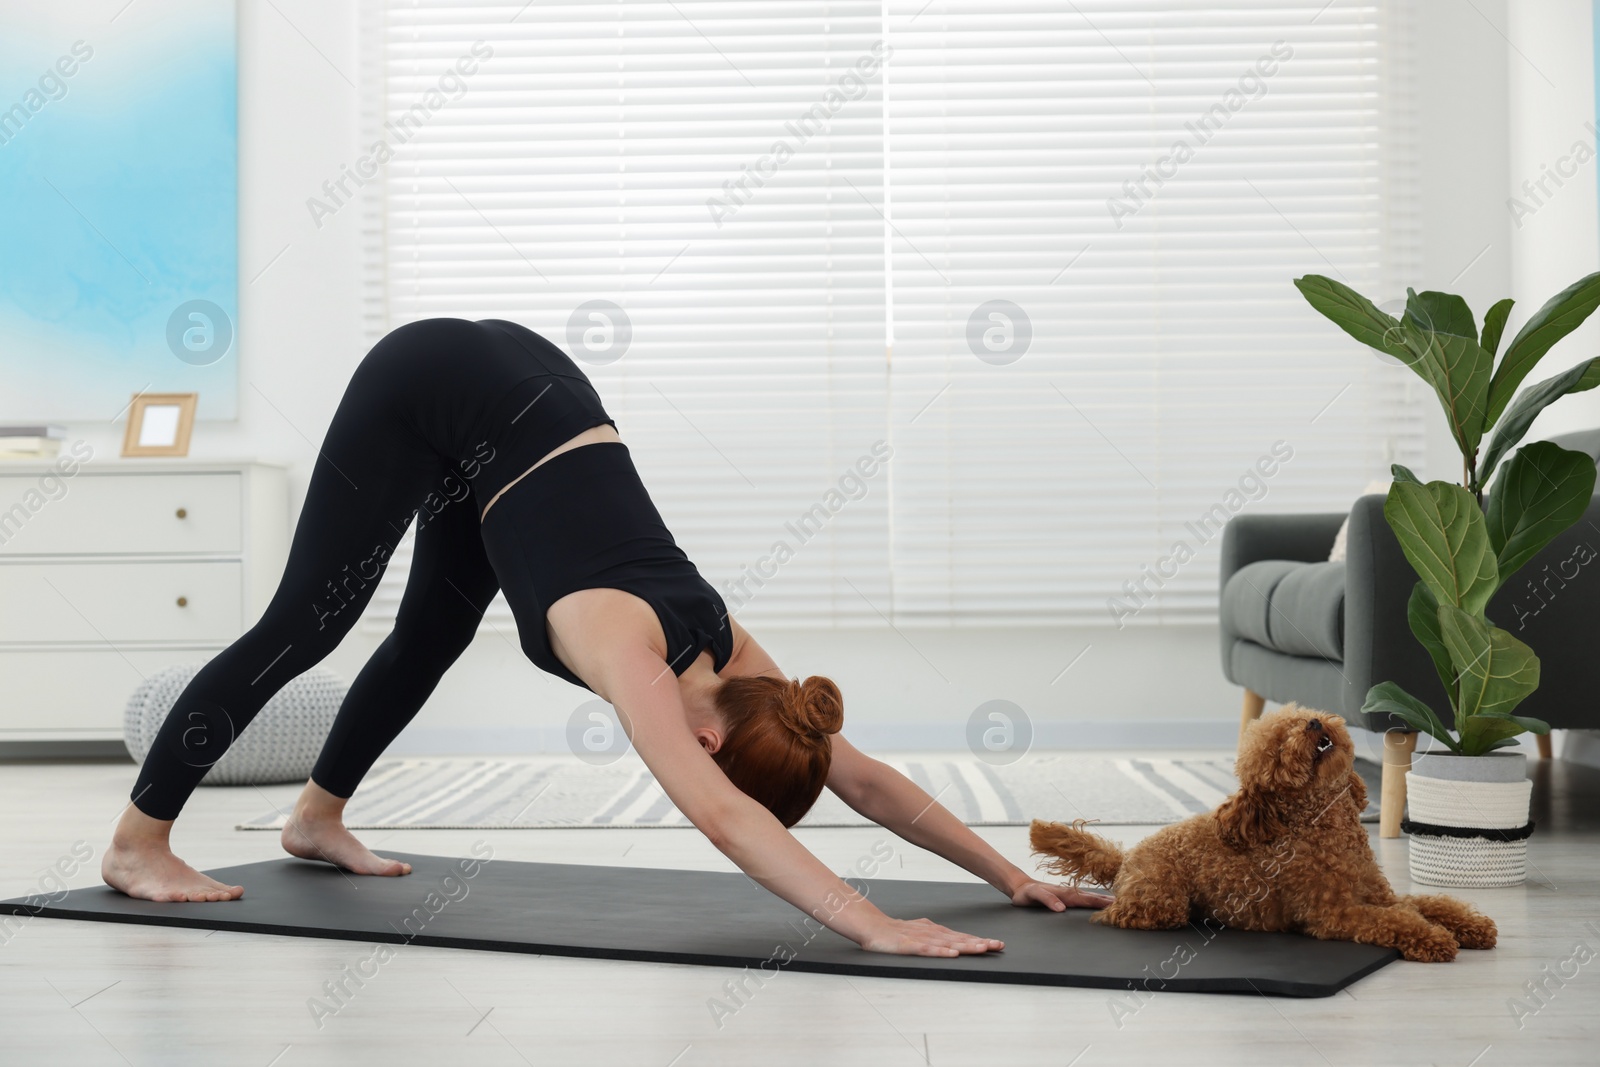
1287,852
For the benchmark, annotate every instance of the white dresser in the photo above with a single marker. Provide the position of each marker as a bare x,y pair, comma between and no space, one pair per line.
124,568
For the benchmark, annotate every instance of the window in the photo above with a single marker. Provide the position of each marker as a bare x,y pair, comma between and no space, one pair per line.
786,241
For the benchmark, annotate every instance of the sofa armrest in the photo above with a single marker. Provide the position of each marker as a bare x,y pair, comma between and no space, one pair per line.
1549,604
1553,605
1378,643
1251,538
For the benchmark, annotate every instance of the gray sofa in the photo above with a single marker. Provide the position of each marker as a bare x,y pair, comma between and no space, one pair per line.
1296,627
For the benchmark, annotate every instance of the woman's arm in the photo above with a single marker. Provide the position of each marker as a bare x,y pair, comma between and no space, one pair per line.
892,800
888,798
641,688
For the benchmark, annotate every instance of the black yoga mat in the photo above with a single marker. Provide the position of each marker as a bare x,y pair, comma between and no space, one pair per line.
724,919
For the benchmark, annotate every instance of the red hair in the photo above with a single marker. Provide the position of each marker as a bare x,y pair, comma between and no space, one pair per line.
775,747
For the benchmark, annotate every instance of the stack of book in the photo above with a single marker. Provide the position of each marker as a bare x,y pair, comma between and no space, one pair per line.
32,441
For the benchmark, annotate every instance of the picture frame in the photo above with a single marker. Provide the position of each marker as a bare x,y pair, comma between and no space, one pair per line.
159,424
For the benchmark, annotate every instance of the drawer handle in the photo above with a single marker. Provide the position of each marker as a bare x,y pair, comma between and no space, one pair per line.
183,602
183,513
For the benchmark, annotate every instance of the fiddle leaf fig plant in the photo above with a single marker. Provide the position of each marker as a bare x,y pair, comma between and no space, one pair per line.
1462,549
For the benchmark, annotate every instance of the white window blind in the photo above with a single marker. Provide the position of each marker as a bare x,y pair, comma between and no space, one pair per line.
695,164
1169,350
1006,151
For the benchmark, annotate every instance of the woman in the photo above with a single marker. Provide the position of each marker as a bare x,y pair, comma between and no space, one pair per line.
496,442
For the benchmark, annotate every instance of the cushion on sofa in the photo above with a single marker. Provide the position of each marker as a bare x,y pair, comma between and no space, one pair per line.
1291,607
1340,539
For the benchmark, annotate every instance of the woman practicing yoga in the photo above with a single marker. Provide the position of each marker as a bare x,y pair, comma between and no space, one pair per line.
497,444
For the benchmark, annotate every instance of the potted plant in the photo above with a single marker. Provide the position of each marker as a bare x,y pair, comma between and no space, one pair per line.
1468,810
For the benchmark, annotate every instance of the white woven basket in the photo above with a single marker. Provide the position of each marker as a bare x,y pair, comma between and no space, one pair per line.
1447,802
281,743
1467,862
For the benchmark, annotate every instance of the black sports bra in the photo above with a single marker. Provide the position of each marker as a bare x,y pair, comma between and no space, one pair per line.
583,520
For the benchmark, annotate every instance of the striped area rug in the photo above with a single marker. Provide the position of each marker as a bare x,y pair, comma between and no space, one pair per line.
538,792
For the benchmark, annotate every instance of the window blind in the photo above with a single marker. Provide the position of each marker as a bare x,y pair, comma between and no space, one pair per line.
1135,184
694,167
959,234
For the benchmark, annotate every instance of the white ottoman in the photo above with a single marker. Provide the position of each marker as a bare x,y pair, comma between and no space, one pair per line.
280,744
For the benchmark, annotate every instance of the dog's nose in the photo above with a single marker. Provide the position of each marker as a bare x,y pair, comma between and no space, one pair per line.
1314,724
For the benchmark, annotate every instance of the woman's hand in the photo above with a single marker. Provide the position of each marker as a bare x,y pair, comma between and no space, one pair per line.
1057,897
924,937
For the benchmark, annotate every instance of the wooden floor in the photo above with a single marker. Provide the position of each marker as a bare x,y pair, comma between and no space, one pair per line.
94,993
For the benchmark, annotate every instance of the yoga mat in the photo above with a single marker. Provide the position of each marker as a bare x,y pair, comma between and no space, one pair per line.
725,920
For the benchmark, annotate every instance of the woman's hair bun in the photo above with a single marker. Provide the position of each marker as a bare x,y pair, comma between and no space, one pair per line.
813,707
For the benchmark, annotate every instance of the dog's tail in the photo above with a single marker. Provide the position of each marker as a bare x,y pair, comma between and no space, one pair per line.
1078,854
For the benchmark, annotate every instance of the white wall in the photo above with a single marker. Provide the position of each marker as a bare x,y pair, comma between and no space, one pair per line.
1462,119
1551,90
299,339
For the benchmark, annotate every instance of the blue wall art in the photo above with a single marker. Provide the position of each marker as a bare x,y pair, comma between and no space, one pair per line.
119,177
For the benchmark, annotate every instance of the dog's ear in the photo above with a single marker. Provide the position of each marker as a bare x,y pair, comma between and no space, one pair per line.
1247,819
1358,791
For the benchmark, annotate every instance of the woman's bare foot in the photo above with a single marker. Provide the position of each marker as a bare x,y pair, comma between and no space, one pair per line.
316,831
140,863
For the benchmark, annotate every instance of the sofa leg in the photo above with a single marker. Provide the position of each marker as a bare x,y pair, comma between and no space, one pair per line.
1543,741
1397,748
1253,703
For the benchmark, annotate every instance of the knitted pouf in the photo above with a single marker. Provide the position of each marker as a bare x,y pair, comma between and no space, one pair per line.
281,743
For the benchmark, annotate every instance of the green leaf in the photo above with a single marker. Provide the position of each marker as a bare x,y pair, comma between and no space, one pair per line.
1494,324
1441,531
1402,473
1543,490
1355,315
1560,315
1387,698
1494,670
1422,611
1440,313
1535,399
1459,372
1527,722
1492,730
1483,733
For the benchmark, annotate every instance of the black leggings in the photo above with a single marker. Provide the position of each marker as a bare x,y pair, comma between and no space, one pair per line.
435,420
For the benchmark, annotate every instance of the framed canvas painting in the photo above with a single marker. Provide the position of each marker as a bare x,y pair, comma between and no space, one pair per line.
118,167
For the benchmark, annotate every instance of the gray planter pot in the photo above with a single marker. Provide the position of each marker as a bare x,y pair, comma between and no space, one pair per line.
1494,767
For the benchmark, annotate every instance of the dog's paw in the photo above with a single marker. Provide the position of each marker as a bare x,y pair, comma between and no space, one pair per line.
1129,914
1472,928
1436,945
1475,931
